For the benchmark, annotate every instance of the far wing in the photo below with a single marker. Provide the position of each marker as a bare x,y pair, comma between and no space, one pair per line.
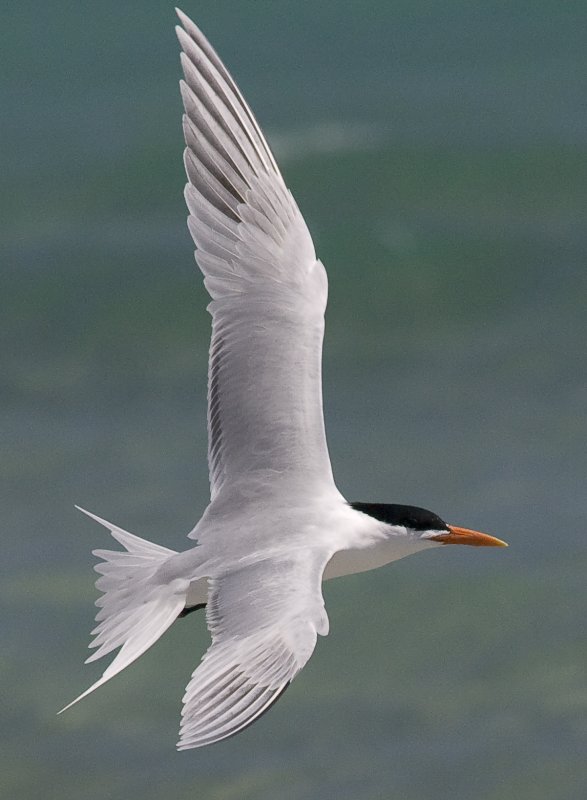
264,620
268,290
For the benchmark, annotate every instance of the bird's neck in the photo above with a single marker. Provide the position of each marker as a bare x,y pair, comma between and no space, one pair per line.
375,542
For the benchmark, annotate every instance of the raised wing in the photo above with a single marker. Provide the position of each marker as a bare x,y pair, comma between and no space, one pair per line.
268,290
264,619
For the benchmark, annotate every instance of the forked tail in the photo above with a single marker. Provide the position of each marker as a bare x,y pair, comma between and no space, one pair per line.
135,610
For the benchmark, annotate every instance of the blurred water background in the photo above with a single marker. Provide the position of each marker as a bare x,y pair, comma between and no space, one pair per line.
438,152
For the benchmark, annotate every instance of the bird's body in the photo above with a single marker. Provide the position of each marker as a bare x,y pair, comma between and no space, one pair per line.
276,525
350,541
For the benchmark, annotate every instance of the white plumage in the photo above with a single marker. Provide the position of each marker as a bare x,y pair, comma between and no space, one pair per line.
276,525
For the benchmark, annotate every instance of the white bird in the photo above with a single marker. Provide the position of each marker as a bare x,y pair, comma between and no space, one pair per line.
276,525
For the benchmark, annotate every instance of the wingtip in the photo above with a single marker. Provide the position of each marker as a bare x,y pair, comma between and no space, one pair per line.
186,21
183,56
182,37
192,30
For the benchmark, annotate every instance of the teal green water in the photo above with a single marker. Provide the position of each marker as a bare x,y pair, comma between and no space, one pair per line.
438,152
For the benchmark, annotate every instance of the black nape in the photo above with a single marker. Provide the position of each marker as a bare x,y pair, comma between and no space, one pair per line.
417,519
189,610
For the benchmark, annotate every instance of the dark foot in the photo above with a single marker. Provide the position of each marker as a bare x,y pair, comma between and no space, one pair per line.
187,611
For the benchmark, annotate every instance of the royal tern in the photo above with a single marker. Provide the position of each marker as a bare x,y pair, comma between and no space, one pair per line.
276,525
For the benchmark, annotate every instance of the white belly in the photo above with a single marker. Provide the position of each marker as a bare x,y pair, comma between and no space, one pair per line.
345,562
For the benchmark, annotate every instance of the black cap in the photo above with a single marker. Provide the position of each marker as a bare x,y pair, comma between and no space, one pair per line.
418,519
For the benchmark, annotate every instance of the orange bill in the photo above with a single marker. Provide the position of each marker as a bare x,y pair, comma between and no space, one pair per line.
465,536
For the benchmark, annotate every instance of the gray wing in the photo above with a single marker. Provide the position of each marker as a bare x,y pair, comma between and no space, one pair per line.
264,619
268,290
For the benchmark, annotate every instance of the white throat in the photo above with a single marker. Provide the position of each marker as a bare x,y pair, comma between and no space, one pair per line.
376,545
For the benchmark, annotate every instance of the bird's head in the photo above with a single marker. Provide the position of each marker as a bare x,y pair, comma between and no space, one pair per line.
426,526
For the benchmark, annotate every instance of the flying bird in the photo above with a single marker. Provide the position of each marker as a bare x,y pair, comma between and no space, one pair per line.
276,525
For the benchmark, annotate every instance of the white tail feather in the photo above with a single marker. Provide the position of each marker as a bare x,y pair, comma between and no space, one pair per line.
134,609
